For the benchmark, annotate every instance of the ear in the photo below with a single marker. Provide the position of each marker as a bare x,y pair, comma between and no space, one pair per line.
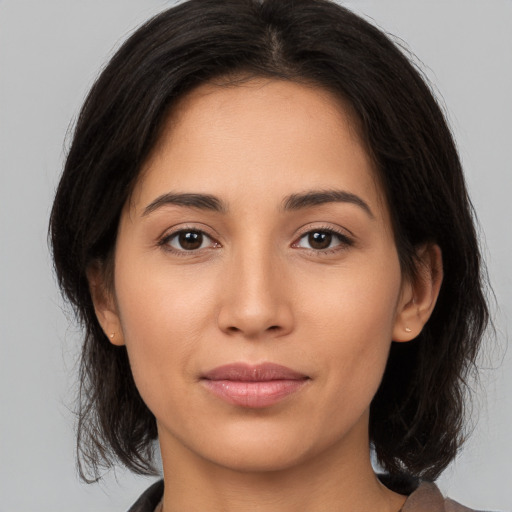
419,294
104,303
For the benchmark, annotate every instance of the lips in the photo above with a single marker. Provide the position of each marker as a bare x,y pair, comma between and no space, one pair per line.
256,386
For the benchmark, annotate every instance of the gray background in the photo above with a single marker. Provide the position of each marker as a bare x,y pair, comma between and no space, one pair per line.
50,52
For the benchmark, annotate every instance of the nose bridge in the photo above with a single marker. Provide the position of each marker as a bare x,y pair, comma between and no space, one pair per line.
255,296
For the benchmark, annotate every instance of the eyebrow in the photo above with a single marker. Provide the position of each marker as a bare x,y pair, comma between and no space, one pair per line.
320,197
198,201
291,203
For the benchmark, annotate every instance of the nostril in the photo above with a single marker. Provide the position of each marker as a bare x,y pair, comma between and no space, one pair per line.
253,320
272,328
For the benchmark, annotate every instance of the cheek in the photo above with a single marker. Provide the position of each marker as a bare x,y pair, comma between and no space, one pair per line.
353,323
163,318
359,300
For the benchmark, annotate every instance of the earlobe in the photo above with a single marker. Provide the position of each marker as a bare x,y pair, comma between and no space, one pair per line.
104,304
419,294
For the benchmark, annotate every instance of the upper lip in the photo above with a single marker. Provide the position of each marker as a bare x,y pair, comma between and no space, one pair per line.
244,372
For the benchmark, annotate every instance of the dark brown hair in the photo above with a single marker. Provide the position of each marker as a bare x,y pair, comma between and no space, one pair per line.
417,415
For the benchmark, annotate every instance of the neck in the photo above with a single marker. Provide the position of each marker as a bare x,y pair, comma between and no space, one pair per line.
326,481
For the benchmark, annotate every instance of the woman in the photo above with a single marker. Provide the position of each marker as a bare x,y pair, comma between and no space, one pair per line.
264,228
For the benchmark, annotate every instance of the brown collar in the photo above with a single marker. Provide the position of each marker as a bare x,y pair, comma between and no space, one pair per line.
426,498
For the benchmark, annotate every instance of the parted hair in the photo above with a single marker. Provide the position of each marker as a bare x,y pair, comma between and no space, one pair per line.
418,416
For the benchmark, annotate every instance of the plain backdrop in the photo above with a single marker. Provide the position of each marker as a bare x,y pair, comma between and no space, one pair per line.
50,53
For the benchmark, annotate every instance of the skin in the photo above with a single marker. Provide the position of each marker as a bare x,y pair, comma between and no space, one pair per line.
257,290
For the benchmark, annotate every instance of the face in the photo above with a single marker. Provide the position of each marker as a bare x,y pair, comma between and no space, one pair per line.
257,283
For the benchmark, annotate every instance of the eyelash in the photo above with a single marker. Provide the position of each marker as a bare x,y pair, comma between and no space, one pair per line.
344,241
166,240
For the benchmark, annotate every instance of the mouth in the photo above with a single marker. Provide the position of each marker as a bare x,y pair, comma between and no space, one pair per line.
253,386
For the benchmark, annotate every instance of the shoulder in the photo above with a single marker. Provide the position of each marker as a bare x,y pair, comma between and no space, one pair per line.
425,498
148,501
428,498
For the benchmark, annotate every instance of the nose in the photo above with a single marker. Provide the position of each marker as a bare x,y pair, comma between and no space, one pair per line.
256,300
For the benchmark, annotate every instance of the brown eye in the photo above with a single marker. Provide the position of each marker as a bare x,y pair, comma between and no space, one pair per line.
323,239
319,239
188,240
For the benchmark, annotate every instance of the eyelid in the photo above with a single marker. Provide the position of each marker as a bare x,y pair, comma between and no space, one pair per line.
169,234
325,226
346,238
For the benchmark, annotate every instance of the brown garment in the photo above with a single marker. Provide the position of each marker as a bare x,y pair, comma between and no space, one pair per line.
426,498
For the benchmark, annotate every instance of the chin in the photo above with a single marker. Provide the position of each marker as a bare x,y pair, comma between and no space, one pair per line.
261,450
258,460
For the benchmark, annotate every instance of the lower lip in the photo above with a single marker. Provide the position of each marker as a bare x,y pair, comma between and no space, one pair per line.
253,394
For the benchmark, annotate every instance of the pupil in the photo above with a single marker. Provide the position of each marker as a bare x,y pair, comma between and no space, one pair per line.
190,240
320,240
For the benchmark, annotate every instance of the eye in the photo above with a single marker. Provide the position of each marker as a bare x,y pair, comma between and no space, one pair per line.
188,240
322,239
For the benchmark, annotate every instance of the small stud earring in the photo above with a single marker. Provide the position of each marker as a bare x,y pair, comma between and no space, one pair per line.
112,335
407,329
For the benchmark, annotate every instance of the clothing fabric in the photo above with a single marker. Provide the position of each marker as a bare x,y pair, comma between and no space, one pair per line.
423,497
150,499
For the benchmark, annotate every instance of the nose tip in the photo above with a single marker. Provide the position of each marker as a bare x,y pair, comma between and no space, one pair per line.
256,304
254,324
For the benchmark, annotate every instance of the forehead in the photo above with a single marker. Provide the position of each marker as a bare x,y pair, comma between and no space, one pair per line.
259,103
260,135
